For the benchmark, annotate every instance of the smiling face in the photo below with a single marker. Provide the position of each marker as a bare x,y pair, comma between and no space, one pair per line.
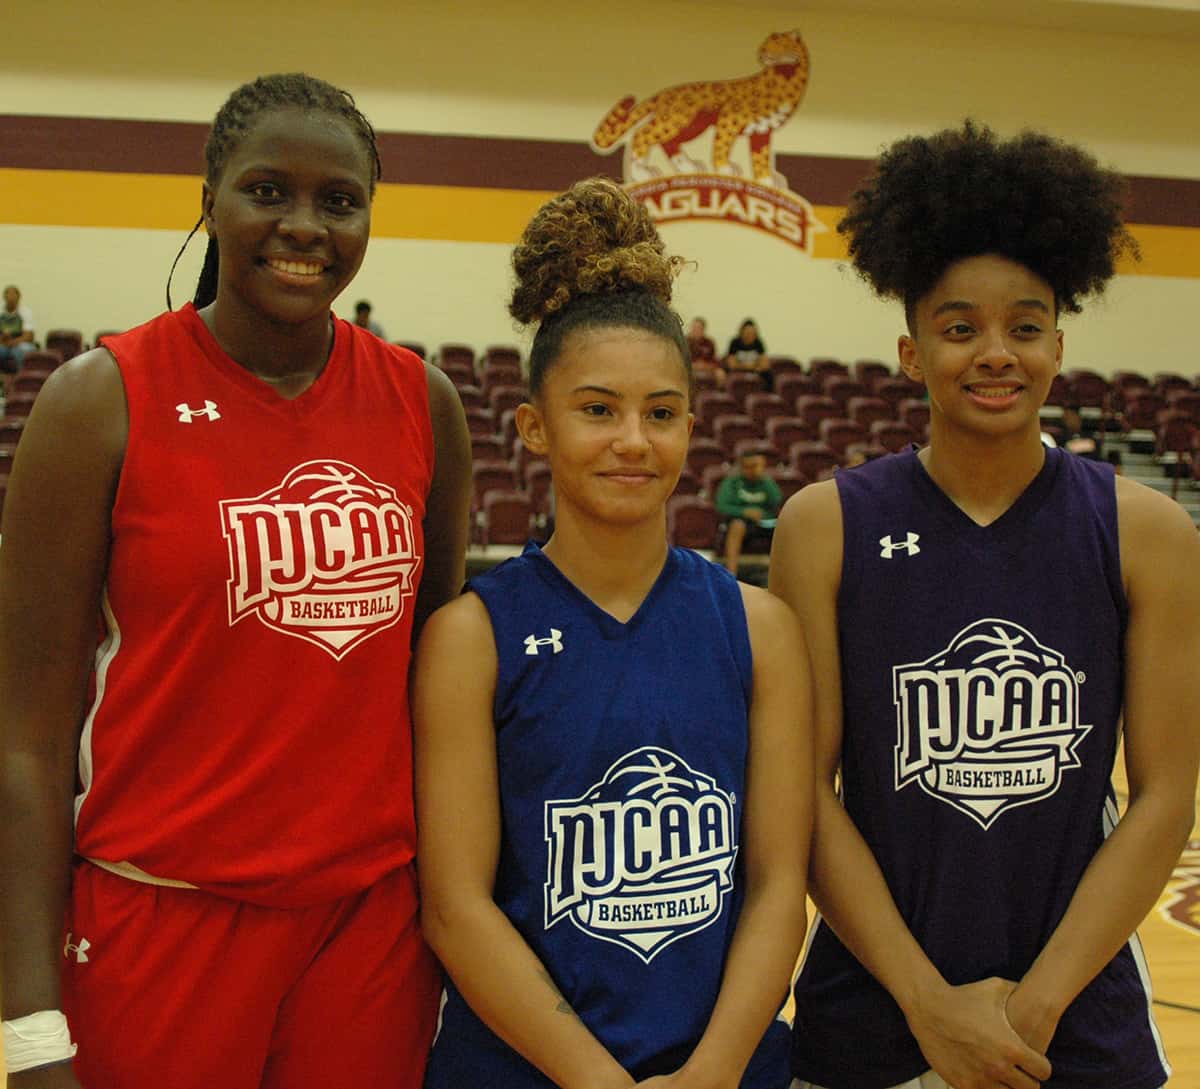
985,346
291,212
612,418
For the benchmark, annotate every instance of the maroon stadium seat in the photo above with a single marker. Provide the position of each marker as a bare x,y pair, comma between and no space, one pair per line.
761,407
67,342
866,410
691,522
507,517
811,459
703,452
812,409
893,435
782,431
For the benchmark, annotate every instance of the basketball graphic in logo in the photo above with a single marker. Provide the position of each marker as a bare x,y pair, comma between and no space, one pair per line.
645,856
327,556
989,723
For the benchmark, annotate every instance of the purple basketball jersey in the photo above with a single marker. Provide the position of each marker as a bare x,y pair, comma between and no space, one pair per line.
982,687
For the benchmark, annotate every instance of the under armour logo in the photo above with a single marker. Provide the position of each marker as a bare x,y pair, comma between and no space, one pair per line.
79,950
186,414
888,547
532,642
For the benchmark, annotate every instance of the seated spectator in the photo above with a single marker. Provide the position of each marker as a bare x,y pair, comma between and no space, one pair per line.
749,501
16,331
704,350
747,352
362,317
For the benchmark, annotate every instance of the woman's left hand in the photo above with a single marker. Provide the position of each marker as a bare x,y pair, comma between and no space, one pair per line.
1036,1027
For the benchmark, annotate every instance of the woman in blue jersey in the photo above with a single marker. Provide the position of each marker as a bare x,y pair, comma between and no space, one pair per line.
982,615
612,734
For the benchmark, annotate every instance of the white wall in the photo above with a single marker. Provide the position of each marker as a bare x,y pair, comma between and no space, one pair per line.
540,70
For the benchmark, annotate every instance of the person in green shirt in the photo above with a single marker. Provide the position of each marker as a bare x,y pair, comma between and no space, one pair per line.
748,501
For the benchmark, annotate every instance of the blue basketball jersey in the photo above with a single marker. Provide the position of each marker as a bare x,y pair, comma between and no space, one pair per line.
982,674
621,750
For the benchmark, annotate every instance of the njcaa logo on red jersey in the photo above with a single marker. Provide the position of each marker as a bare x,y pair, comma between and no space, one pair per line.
327,555
989,723
645,856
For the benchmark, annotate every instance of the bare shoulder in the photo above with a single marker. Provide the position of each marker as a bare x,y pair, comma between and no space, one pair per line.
463,623
814,506
1139,507
1154,531
764,610
73,443
774,629
449,422
88,385
814,515
440,386
808,540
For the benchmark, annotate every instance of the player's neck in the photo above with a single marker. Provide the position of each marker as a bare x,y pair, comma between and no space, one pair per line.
288,357
614,566
982,475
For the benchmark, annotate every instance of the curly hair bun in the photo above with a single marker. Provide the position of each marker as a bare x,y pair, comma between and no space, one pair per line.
594,239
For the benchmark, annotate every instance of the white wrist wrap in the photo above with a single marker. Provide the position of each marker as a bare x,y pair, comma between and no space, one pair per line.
38,1039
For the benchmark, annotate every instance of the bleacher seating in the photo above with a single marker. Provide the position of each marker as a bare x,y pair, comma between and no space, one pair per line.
842,388
455,354
67,342
691,522
507,518
742,384
820,414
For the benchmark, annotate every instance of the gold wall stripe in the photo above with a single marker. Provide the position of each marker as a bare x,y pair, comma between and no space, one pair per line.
449,213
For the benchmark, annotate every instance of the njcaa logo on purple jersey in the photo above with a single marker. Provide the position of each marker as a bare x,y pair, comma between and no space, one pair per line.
989,723
327,555
643,857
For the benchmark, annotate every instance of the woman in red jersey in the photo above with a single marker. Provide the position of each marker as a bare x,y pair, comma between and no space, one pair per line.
260,503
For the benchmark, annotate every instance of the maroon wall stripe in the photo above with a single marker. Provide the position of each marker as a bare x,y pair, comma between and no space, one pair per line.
93,143
176,147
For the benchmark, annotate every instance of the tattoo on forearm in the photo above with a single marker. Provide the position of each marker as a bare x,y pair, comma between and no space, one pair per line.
563,1005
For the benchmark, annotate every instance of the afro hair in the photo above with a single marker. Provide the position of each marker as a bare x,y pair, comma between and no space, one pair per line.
934,200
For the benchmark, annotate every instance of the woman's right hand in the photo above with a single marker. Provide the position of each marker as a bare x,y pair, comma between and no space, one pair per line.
965,1037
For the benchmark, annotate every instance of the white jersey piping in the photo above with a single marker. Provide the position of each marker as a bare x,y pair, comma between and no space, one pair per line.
1110,817
105,654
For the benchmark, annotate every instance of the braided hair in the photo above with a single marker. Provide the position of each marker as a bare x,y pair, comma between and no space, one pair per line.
291,90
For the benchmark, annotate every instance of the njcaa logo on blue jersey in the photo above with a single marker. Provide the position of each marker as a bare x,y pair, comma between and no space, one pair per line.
989,723
643,857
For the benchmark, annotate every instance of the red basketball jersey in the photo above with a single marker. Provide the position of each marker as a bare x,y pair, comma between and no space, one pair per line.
250,730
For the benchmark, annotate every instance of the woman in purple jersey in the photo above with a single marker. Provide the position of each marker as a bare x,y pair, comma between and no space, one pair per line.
609,399
985,242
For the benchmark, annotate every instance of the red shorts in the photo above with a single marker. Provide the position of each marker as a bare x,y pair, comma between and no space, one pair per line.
166,986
